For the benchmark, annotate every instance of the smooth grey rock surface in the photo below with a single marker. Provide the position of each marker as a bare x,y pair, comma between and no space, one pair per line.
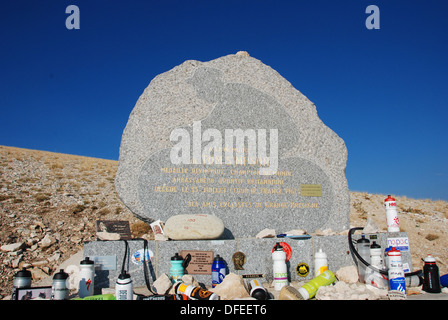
232,92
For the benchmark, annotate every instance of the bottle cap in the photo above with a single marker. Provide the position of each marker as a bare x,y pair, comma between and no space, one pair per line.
394,252
23,273
259,294
176,257
304,293
320,254
278,247
429,259
363,239
124,275
389,198
87,261
61,275
218,258
375,245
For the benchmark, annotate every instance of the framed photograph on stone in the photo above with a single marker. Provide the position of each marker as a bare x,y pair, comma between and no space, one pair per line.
107,229
35,293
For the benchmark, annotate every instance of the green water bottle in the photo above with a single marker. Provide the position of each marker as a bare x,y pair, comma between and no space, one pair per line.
106,296
309,289
178,266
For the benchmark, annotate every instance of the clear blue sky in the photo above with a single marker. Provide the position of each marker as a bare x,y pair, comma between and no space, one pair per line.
383,91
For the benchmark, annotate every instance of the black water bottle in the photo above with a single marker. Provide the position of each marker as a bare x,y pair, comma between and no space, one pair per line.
431,277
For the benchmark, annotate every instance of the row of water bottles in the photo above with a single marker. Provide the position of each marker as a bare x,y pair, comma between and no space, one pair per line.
323,276
60,288
393,267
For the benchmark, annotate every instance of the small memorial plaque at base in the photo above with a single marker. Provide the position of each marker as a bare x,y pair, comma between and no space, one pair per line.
200,263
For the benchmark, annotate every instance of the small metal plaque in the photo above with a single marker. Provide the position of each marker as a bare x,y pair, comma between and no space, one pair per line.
311,190
105,262
200,263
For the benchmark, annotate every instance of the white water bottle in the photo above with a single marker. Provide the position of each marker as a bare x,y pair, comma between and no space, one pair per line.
375,255
320,262
374,277
393,224
86,278
397,279
363,247
280,269
124,289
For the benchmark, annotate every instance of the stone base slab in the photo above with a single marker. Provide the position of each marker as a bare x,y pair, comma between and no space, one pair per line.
258,254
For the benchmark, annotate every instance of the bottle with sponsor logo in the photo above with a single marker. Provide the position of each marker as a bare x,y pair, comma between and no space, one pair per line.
279,267
124,288
374,277
309,289
218,270
393,224
194,293
257,291
397,280
431,275
86,278
320,262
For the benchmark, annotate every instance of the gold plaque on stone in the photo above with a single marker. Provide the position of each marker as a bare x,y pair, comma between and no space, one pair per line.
311,190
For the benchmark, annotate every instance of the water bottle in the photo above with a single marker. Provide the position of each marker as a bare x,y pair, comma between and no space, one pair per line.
176,270
86,278
279,268
218,270
309,289
59,289
431,277
363,248
124,287
194,293
372,276
320,262
178,265
257,291
106,296
397,280
393,224
22,279
375,255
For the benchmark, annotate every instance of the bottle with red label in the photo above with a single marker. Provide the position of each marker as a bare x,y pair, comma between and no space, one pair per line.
86,277
397,281
393,225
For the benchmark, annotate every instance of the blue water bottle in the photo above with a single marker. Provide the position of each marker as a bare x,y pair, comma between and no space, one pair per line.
218,270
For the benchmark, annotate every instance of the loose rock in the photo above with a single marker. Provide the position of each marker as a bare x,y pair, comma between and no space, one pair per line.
194,227
12,247
232,287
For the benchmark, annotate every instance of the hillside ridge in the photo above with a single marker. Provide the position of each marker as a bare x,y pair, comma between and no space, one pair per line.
50,202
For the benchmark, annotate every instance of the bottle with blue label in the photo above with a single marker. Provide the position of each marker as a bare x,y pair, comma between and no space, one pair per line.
397,280
218,270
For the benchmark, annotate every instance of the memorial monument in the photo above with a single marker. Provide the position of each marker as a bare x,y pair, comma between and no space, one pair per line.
232,139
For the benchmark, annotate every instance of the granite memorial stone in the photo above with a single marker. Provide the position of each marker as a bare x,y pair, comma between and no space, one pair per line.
234,139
